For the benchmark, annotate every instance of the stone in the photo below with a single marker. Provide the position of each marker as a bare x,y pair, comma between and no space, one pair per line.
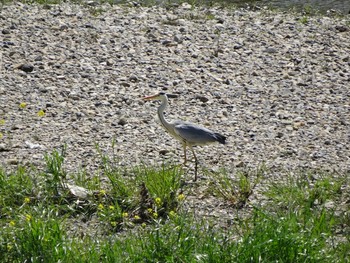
26,67
122,122
202,98
4,147
5,31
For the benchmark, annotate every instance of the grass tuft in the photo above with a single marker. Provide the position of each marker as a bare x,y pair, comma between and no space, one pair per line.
235,189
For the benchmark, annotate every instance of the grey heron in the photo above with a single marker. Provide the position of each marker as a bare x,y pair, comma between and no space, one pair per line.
188,134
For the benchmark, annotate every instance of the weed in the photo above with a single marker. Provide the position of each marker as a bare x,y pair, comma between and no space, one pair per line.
238,188
303,190
304,20
34,240
96,11
142,193
286,237
15,190
55,175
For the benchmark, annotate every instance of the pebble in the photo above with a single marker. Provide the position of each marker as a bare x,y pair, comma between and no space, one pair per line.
4,148
13,161
163,152
122,122
202,98
26,67
5,31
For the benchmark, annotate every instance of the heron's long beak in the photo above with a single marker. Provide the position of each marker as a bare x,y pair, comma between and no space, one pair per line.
154,97
157,97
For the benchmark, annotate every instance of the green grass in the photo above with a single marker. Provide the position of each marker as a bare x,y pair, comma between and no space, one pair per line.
141,217
237,187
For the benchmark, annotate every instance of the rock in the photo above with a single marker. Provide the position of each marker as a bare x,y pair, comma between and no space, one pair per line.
74,95
133,78
26,67
239,164
78,191
5,31
124,84
168,43
220,20
4,147
32,145
186,6
342,28
122,122
297,125
202,98
271,50
163,152
279,134
38,58
178,39
13,161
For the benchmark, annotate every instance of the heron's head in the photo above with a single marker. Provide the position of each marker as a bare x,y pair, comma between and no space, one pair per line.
160,96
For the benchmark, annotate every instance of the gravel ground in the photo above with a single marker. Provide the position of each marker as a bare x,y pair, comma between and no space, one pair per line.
276,84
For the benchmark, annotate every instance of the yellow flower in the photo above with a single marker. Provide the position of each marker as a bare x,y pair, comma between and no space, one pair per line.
181,197
137,217
12,223
2,122
22,105
111,207
158,201
41,113
102,192
113,223
150,210
28,217
27,200
143,225
1,135
125,214
100,207
155,215
172,214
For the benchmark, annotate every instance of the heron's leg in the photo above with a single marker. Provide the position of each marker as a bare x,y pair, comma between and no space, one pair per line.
196,164
185,158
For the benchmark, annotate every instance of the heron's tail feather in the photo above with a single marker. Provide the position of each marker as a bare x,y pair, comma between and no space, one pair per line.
220,138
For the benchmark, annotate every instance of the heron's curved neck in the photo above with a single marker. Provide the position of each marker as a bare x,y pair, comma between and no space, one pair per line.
161,108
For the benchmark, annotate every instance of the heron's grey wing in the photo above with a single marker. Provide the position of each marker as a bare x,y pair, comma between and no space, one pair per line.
194,134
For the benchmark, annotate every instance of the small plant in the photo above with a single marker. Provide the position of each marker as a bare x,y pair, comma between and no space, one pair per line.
33,240
291,237
304,20
113,215
15,190
55,173
123,187
238,188
96,11
303,190
140,194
